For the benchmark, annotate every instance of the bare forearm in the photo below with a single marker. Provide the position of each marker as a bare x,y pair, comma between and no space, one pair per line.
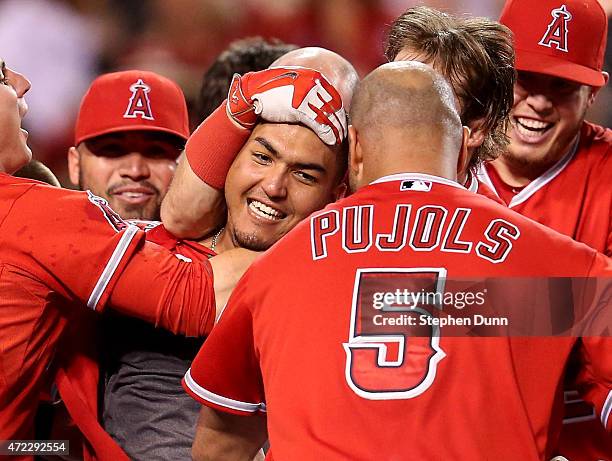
195,205
223,437
191,208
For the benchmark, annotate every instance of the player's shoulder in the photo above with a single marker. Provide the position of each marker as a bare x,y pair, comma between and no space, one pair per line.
31,193
596,142
543,250
9,182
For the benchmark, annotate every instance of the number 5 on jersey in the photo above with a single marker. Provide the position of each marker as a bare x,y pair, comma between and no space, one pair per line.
390,354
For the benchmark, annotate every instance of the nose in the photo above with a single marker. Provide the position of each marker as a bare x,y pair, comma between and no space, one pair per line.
539,102
274,183
134,166
18,81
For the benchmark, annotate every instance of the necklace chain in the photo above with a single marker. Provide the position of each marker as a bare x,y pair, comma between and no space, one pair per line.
215,239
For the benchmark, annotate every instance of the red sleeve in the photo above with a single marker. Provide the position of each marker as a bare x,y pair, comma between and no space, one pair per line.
608,250
71,241
595,378
174,293
225,374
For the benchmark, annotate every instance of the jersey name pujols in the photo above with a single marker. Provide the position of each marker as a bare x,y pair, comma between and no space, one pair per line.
426,228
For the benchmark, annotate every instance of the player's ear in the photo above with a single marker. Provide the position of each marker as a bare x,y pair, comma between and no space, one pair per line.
355,167
463,159
595,90
477,134
340,191
74,165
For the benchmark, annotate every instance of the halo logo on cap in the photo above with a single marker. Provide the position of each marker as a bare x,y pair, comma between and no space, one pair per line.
560,38
556,33
139,104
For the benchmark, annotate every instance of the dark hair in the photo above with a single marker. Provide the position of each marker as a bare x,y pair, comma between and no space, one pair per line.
476,56
242,56
38,171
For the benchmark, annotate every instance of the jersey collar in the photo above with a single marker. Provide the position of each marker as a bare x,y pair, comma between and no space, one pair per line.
419,177
537,183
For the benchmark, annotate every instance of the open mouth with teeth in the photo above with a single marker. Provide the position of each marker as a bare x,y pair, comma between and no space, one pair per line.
531,128
264,211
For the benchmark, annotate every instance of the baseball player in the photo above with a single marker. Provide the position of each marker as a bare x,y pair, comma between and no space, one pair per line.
15,151
477,58
557,167
131,127
305,348
63,249
213,146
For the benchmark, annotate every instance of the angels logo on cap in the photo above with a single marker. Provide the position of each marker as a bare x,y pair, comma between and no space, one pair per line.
139,101
560,38
556,33
131,100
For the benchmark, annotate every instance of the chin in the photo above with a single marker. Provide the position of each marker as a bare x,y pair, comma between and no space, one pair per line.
252,241
20,161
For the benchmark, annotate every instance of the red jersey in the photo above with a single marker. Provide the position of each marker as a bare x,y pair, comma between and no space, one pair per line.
478,187
297,346
574,197
62,249
76,365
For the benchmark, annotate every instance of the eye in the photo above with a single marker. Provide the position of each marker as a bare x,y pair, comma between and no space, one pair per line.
305,177
106,149
564,86
261,158
162,151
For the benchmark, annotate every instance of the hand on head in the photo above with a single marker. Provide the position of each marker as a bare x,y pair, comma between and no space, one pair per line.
288,95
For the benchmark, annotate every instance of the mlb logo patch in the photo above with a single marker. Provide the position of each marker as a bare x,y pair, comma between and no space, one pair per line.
415,185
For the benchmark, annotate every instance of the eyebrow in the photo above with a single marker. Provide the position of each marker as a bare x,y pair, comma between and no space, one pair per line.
264,142
300,165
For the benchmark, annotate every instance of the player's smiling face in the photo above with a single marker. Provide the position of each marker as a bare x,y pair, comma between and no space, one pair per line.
546,117
15,151
282,174
131,169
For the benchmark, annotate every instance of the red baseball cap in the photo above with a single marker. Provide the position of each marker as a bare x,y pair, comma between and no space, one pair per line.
562,38
132,100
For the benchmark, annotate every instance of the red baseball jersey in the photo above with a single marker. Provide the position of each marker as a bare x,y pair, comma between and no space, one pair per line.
478,187
76,364
339,376
62,249
574,197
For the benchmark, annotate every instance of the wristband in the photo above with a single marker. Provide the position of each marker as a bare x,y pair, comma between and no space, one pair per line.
213,146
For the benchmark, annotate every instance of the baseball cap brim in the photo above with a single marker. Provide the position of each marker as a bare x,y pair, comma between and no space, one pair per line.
122,129
551,65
